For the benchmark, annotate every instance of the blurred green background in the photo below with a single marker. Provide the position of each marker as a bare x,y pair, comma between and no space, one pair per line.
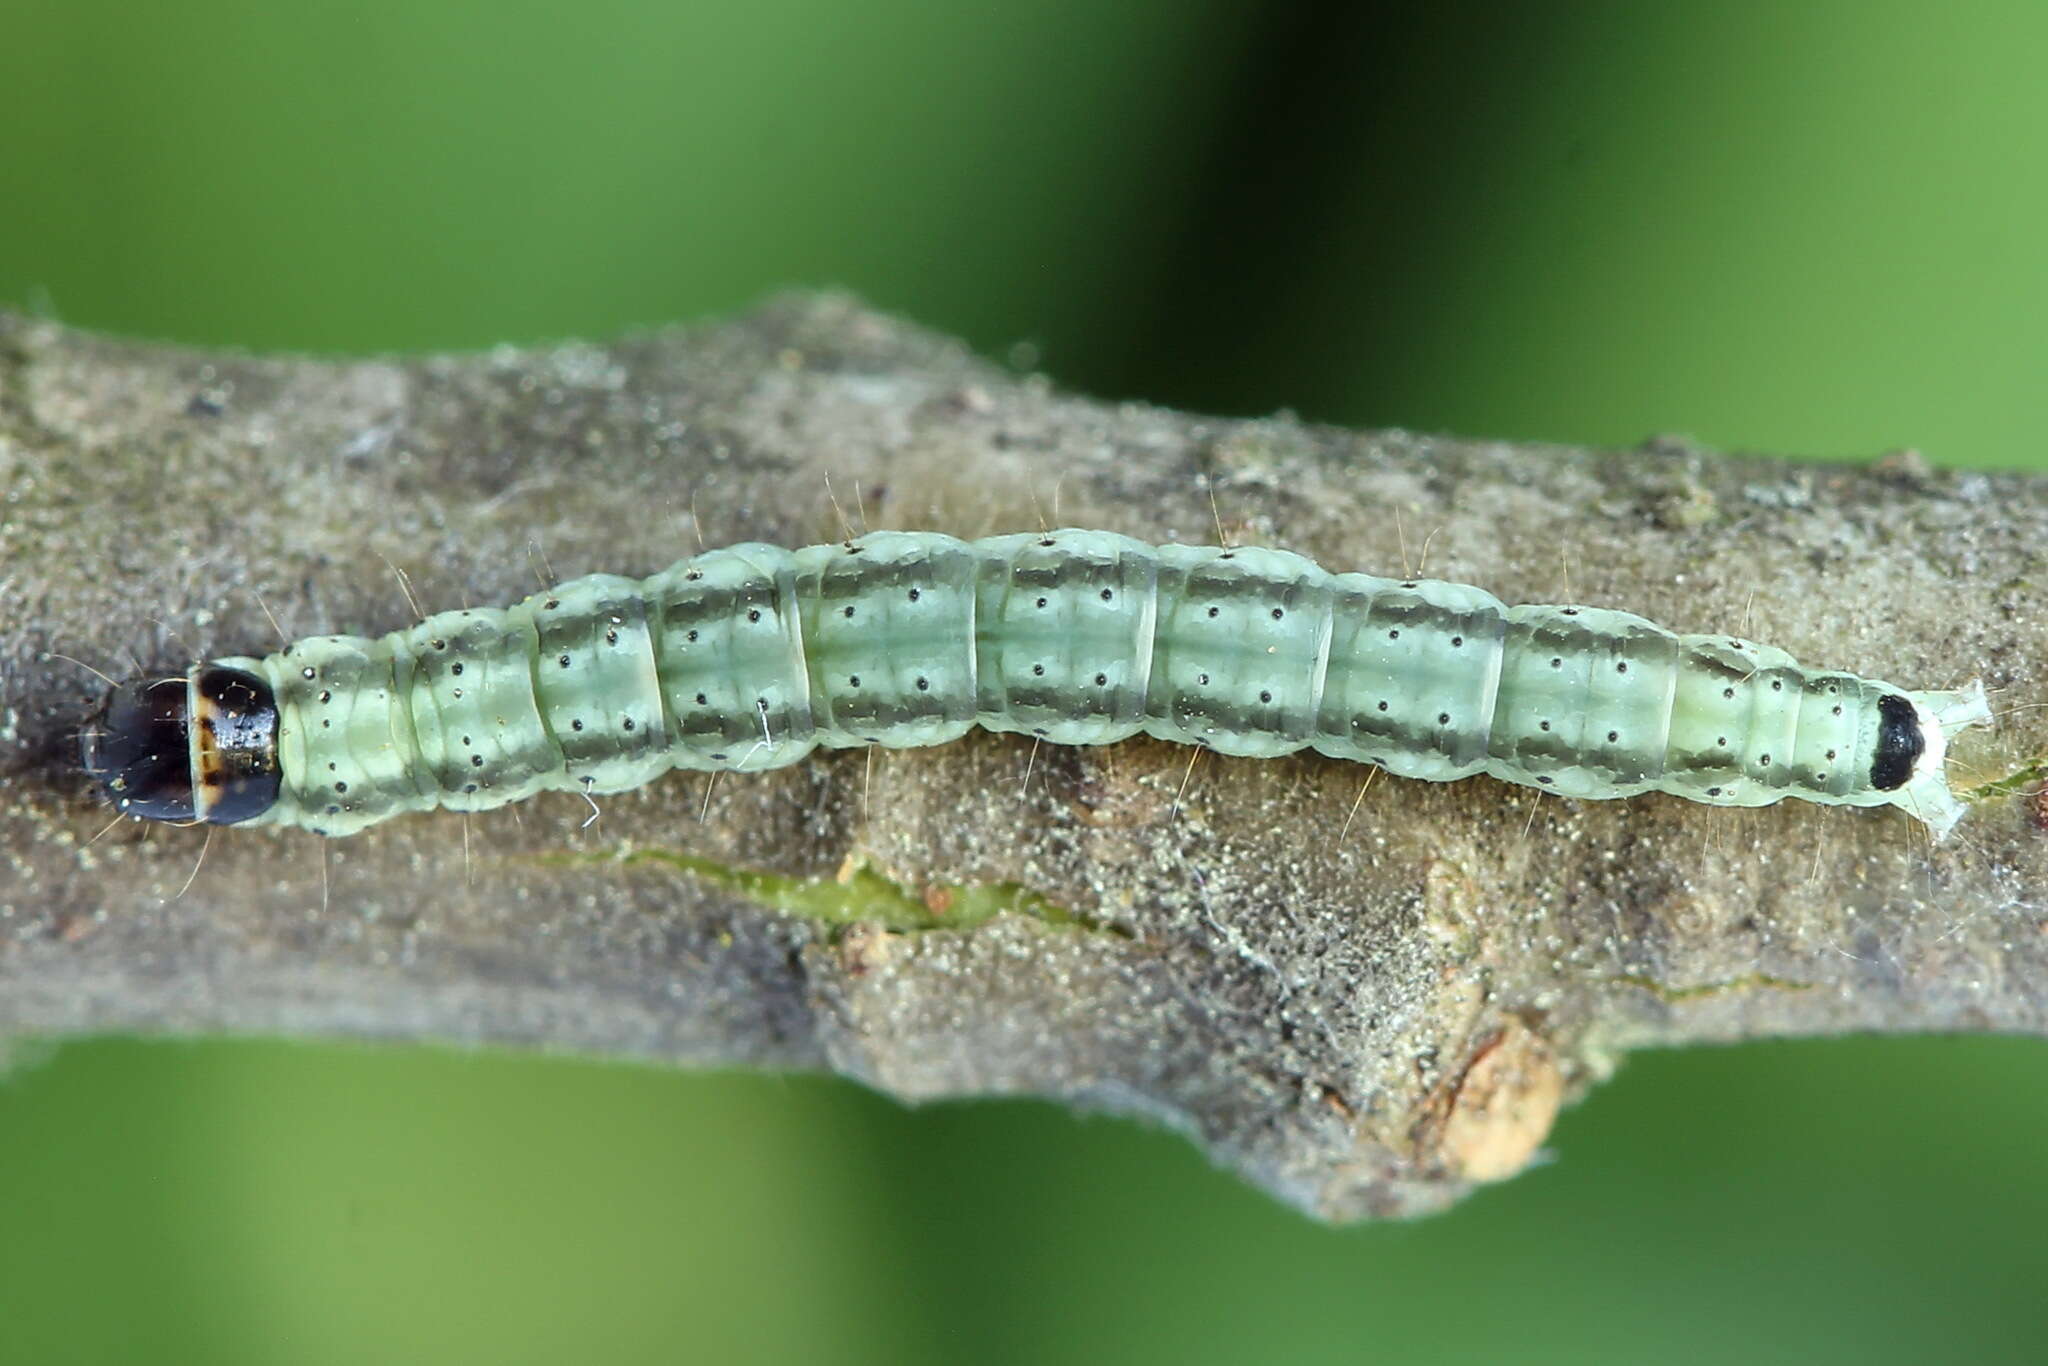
1811,228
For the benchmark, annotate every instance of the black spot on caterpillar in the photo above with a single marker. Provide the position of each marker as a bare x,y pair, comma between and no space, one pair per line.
750,657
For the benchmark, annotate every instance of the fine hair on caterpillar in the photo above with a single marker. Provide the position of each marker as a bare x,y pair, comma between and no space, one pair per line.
750,656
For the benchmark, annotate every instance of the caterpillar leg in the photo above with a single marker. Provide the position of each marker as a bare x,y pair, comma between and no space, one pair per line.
1957,710
1941,714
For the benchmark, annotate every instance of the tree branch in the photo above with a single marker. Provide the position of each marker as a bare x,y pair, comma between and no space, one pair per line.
1364,1005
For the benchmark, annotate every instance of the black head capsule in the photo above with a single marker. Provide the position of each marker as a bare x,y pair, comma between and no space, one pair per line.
175,749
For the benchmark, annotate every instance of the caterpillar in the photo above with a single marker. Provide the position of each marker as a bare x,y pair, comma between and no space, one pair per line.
751,656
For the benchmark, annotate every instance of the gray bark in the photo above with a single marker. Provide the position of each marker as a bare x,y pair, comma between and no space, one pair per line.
1363,1005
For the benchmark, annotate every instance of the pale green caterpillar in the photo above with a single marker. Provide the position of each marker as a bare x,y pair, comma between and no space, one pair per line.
750,657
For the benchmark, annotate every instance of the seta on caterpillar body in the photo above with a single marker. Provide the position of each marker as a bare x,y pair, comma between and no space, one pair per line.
749,657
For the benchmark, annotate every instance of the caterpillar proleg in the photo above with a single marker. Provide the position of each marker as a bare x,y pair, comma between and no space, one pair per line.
751,656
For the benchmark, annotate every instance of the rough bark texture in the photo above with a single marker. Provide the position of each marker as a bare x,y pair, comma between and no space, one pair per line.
1365,1006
